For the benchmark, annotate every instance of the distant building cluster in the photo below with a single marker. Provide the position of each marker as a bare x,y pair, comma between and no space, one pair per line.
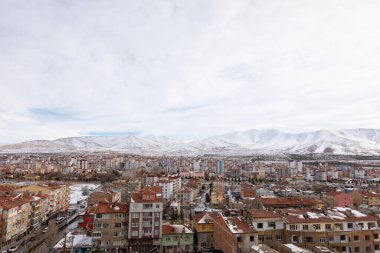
190,204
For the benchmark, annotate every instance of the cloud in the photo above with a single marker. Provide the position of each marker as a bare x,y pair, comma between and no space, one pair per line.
186,69
184,108
50,114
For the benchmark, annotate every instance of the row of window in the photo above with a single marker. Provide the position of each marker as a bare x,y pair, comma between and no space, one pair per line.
350,225
106,225
176,238
145,215
262,237
145,206
146,224
146,232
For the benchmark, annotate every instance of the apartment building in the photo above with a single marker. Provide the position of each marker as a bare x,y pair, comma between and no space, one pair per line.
342,229
204,230
233,235
15,212
339,199
186,196
110,227
167,188
58,195
269,225
104,196
39,209
217,196
145,219
176,238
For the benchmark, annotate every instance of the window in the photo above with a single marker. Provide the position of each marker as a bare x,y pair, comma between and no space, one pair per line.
293,227
328,226
357,249
167,238
251,238
156,232
97,225
305,227
120,215
317,226
350,225
117,225
157,205
356,238
135,224
295,238
261,238
260,225
117,243
203,236
376,236
96,234
377,247
322,239
147,215
279,237
371,225
239,239
272,224
147,206
368,249
157,215
116,234
135,206
269,237
156,223
135,215
135,233
105,225
308,239
367,237
342,237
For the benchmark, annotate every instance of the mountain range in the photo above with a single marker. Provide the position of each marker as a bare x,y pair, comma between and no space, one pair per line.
269,141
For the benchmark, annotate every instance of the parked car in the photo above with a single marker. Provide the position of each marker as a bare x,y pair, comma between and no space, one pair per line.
45,230
60,219
13,249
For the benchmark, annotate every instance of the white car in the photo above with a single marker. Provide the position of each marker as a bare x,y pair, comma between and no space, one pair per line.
13,249
45,230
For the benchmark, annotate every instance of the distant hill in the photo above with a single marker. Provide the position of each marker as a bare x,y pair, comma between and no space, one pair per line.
349,141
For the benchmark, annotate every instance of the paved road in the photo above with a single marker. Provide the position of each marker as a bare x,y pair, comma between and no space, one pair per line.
44,240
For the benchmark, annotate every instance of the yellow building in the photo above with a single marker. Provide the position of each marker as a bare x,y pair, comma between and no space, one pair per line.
217,196
15,213
204,228
58,195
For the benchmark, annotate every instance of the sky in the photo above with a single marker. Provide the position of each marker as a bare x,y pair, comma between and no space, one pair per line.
186,69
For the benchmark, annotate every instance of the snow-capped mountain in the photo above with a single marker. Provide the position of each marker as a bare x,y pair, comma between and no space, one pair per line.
349,141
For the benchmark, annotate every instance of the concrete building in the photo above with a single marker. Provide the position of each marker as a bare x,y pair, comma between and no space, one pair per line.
145,219
110,226
176,238
204,230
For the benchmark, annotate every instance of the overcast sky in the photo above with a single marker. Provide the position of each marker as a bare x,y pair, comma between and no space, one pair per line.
186,69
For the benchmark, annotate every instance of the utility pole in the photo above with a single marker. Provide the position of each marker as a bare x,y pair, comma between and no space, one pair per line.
64,244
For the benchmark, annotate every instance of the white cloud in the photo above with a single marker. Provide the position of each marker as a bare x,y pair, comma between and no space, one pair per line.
186,69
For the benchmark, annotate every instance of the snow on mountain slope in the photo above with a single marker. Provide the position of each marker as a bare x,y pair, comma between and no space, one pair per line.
350,141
